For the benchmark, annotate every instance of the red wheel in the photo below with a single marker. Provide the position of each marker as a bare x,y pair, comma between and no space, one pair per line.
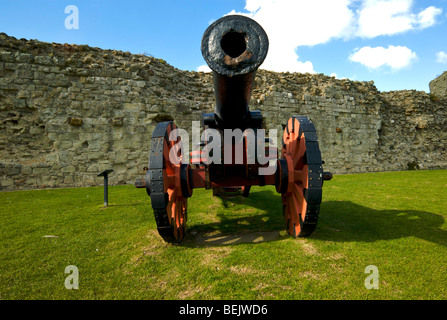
301,200
168,183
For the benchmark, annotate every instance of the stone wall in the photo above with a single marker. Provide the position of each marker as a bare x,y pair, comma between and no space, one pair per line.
68,112
438,86
414,131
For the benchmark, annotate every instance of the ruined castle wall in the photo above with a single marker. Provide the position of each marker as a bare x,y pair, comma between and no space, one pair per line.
68,112
414,131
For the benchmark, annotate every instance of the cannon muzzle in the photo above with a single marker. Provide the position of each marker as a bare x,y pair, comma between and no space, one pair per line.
234,47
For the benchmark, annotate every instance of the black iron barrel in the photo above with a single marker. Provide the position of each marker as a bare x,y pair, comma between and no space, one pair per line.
234,47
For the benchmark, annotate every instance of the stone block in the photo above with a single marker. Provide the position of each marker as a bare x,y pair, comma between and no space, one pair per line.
36,130
121,157
117,122
131,106
26,171
7,182
93,168
68,180
95,155
25,74
43,60
140,83
63,144
7,56
68,169
25,58
52,157
39,170
74,121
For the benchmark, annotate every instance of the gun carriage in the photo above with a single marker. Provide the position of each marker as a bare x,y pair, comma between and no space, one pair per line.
234,47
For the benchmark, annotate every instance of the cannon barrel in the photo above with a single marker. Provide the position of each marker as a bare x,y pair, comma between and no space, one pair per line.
233,47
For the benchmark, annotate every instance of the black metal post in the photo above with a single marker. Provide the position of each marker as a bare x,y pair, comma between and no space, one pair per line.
105,174
106,190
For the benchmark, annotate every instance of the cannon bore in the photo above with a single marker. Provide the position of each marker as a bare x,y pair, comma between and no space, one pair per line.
234,47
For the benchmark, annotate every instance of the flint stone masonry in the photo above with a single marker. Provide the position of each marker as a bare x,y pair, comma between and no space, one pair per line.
68,112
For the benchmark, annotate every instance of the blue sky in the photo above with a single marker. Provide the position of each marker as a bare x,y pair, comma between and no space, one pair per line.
399,44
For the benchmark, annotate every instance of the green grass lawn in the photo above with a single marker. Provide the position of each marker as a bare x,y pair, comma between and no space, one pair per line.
235,248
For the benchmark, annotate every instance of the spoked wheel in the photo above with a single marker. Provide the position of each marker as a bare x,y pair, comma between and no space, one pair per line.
168,183
302,176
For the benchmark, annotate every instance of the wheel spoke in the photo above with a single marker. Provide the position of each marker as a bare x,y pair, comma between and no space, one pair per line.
290,213
298,157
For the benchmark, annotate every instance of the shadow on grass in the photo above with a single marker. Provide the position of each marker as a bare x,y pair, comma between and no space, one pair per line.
348,221
235,229
342,221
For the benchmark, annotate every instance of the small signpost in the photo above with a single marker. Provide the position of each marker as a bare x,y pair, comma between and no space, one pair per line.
105,174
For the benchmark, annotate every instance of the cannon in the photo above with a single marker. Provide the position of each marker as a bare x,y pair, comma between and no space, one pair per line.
234,150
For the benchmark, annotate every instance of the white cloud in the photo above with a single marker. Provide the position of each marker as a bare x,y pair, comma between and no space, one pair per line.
396,57
383,18
253,5
204,68
389,17
427,17
441,57
293,23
